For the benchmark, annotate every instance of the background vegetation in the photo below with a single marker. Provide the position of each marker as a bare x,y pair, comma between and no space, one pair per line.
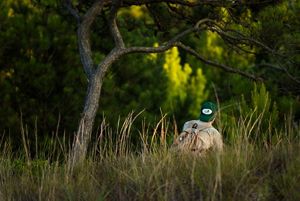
42,89
252,167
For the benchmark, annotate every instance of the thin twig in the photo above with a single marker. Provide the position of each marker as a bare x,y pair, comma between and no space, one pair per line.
218,65
179,2
172,42
280,68
115,32
175,42
72,10
241,37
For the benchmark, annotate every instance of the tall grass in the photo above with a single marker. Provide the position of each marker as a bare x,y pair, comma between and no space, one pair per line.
117,169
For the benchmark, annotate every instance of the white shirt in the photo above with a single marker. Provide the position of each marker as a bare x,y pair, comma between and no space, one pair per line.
210,136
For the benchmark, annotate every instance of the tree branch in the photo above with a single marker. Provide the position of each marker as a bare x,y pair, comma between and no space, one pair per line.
175,42
271,66
115,32
248,40
179,2
72,10
212,63
282,69
189,3
177,11
238,48
172,42
84,37
160,48
242,38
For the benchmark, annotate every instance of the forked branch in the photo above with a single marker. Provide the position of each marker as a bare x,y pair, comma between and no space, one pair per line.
176,42
114,30
215,64
172,42
83,34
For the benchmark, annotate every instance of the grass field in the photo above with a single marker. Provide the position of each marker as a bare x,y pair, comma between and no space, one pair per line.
116,170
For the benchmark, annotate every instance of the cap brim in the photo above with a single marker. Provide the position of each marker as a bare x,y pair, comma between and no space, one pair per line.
206,118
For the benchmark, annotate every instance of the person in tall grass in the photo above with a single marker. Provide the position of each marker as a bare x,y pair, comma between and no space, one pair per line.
199,136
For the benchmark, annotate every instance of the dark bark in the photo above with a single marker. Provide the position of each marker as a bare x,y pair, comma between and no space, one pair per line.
95,80
86,123
91,105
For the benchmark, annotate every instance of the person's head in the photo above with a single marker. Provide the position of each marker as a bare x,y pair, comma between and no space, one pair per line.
208,111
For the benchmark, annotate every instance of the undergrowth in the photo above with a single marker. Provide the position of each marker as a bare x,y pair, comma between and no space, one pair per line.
116,170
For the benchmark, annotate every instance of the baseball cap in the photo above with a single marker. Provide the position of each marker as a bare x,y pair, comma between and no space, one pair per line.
208,111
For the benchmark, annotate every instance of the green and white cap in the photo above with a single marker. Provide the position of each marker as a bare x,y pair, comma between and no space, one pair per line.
208,111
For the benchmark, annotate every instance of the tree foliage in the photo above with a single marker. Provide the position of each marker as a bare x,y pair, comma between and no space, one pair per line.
41,78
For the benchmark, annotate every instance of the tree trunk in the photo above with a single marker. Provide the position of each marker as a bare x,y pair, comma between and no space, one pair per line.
86,123
85,128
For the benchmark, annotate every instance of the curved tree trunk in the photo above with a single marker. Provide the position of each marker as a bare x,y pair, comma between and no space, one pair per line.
85,128
86,123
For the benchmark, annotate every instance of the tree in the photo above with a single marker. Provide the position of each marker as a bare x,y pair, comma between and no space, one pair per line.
39,67
168,16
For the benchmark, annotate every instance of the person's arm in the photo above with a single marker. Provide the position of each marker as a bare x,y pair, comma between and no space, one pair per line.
218,141
185,126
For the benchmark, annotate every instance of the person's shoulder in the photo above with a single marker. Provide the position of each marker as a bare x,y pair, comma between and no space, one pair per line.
191,122
213,130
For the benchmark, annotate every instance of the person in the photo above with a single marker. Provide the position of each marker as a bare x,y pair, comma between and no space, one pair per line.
199,135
